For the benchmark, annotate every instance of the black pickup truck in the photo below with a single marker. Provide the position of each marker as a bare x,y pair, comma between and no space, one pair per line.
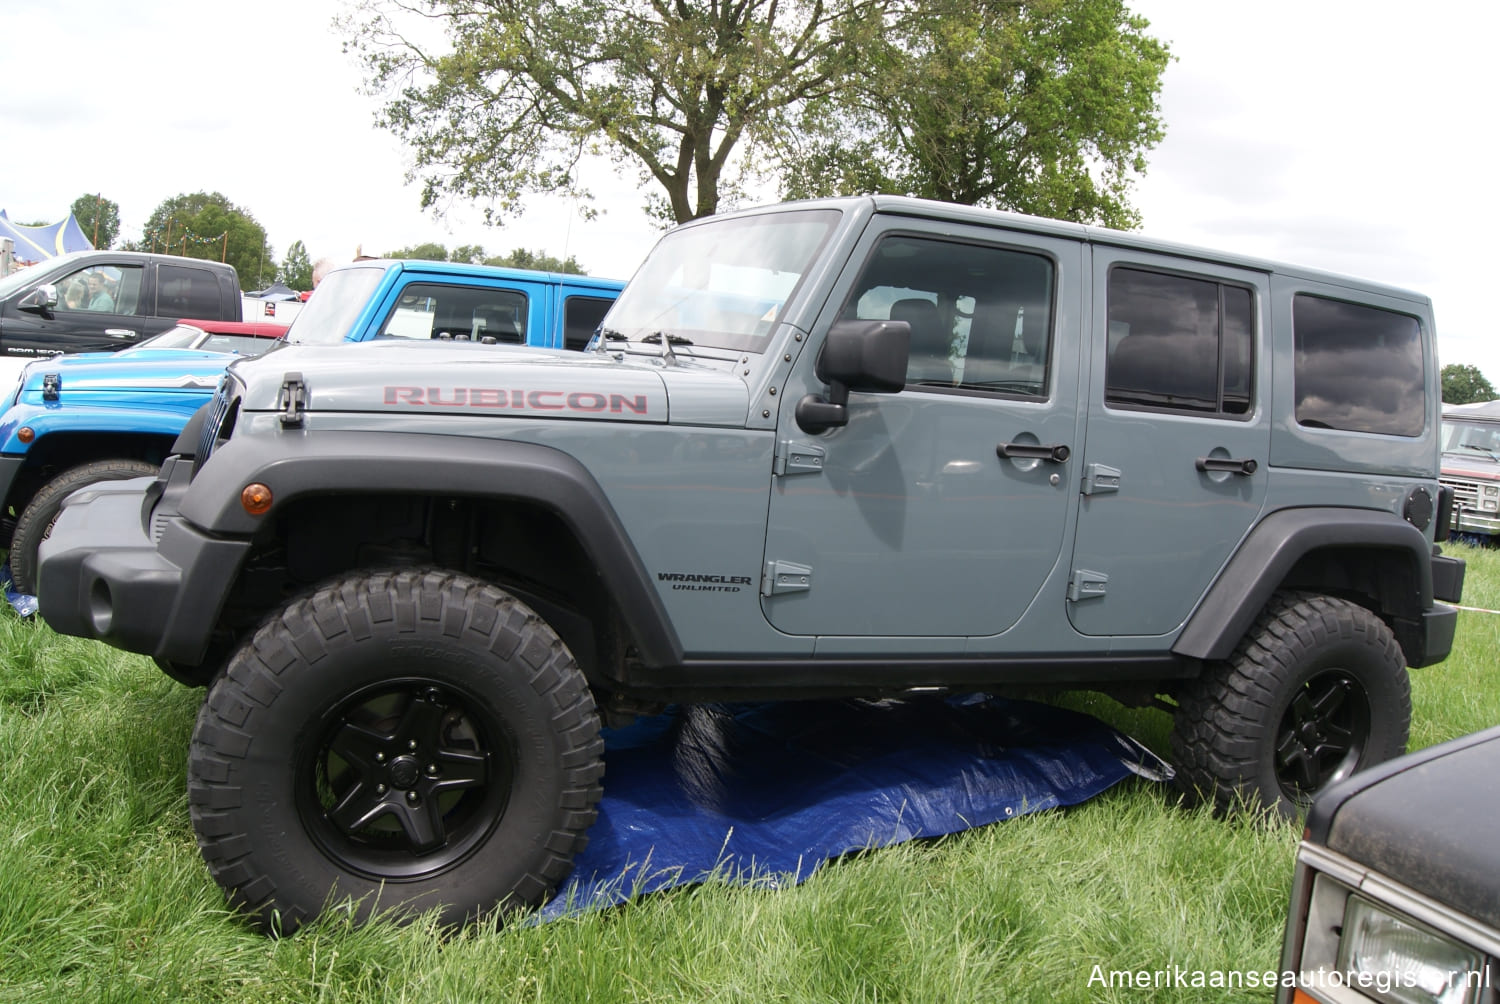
91,301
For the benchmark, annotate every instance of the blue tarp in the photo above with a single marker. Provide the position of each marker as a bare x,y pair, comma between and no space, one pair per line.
768,792
22,603
35,244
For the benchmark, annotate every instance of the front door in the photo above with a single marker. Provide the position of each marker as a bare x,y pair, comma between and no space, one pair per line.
1175,469
99,308
909,521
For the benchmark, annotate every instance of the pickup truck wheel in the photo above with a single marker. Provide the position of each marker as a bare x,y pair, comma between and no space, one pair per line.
35,522
395,741
1315,691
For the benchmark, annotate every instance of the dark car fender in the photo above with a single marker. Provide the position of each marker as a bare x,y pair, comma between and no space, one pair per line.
1270,553
346,463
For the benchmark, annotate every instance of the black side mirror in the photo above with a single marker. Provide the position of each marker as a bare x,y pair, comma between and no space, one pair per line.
856,355
42,300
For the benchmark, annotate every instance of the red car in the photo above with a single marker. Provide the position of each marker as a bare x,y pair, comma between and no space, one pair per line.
233,337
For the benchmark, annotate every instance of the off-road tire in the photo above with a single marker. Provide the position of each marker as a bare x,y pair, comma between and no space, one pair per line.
1316,690
35,522
318,763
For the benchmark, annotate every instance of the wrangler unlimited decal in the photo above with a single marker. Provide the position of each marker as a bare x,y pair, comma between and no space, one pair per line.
530,400
704,583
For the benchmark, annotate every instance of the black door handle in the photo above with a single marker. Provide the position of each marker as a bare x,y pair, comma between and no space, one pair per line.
1034,451
1244,468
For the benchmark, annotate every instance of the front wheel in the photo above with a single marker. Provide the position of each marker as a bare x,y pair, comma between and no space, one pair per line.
35,522
1315,691
397,741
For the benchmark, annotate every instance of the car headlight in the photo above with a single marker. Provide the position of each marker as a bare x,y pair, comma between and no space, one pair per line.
1390,958
1488,504
1492,490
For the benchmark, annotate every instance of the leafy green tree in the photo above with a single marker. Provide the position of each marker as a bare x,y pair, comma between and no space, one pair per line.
207,225
1464,384
296,267
540,261
1045,107
99,219
469,254
427,252
689,92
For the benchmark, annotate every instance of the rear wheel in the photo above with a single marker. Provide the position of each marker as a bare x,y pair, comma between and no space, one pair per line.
36,520
399,741
1316,690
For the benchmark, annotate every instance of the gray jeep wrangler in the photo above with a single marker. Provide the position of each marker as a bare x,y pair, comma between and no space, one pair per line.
844,447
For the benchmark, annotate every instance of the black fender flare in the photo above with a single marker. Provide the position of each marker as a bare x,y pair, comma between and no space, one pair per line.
1270,551
336,462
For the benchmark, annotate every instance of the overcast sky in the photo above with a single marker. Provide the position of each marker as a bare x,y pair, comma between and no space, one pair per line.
1355,136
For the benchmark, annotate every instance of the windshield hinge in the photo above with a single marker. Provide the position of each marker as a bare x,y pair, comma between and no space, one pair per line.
51,386
293,400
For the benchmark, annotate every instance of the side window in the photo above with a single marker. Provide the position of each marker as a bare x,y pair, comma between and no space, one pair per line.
1179,344
981,317
459,314
107,289
1358,368
581,315
184,291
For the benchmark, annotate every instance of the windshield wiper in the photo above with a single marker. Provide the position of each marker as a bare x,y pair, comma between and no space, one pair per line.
604,336
667,340
1479,449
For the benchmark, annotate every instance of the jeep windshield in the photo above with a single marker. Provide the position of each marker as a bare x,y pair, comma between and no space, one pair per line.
331,312
720,284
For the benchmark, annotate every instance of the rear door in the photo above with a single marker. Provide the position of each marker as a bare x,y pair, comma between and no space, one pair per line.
1175,469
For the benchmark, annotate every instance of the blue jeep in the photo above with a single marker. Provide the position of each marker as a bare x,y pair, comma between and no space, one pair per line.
74,421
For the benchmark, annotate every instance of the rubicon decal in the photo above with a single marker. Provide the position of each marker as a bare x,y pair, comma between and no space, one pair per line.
692,582
587,401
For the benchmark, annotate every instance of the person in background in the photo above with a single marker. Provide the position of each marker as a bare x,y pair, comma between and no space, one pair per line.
76,295
321,268
99,298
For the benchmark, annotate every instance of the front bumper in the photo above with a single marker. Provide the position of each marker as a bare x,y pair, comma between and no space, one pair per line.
121,566
1469,520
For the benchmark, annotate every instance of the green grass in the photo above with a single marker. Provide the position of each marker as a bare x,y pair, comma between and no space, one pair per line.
103,897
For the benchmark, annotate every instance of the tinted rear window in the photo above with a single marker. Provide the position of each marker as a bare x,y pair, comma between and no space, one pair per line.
1359,368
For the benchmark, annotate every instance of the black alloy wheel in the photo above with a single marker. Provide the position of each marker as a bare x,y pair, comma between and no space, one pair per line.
1323,734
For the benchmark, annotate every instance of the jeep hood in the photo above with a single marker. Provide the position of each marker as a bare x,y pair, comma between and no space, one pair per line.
430,378
1426,820
95,374
1471,464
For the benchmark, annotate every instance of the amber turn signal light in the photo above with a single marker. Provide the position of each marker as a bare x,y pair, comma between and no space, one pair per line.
256,498
25,433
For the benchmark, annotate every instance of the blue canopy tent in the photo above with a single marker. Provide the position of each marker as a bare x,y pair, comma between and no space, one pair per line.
35,244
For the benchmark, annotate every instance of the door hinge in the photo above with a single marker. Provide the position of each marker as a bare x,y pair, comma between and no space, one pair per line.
1100,480
1087,585
798,458
293,400
785,577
